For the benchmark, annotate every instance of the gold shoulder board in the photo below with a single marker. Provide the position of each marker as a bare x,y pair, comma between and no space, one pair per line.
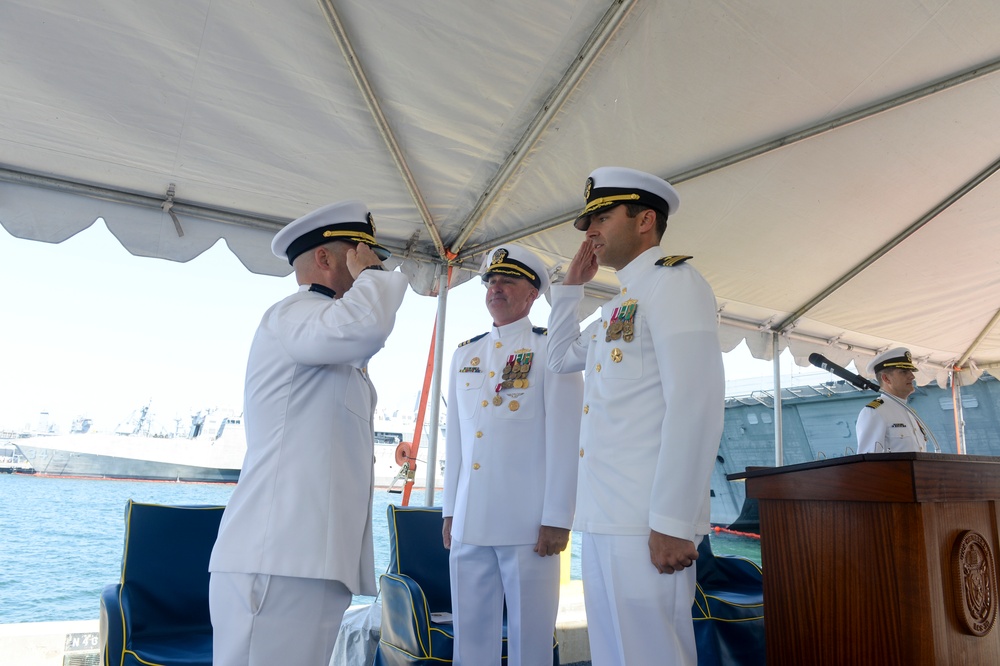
540,330
875,404
472,339
673,260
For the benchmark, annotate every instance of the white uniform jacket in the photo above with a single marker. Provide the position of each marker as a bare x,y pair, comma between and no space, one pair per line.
510,467
302,506
653,405
885,426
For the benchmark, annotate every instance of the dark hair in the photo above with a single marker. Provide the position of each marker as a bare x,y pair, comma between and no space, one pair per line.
632,210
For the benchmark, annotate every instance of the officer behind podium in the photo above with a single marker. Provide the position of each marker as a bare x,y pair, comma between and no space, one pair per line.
654,394
296,538
884,425
510,482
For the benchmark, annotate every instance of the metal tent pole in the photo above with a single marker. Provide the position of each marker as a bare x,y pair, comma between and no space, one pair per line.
956,403
779,446
435,398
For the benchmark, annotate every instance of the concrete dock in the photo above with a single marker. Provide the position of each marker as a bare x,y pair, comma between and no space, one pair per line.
76,643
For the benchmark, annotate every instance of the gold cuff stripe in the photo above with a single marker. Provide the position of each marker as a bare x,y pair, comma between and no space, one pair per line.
604,201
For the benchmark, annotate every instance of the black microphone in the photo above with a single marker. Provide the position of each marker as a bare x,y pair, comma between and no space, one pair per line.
823,362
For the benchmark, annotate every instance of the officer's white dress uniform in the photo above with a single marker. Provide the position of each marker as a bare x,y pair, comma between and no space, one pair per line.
885,426
511,468
300,517
652,422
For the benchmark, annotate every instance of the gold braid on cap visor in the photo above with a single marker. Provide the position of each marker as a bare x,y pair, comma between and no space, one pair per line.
511,269
604,201
359,236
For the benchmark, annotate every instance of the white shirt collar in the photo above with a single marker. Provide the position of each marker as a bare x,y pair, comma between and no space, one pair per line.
508,330
639,264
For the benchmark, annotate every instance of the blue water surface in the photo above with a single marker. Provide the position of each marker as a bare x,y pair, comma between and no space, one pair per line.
61,539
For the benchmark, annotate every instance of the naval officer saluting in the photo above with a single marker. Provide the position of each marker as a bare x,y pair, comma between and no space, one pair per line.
886,425
652,420
510,482
296,538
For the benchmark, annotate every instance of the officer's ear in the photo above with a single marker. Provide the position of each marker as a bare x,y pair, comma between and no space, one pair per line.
647,220
329,256
308,260
323,257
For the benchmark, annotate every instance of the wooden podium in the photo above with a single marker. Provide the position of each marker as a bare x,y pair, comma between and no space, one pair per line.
880,559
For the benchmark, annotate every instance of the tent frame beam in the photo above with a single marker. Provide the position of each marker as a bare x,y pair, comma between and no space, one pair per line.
769,146
381,122
9,174
978,341
751,325
882,251
553,104
15,176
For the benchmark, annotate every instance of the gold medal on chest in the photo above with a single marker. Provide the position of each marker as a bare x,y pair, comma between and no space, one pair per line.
622,322
614,331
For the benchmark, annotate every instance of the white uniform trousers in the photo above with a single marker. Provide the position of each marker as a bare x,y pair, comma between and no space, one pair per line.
262,620
480,577
635,615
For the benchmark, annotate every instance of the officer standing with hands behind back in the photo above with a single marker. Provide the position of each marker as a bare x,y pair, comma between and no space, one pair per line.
510,482
654,392
295,541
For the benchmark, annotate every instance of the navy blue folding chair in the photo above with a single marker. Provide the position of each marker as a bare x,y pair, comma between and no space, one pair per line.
157,614
415,590
728,610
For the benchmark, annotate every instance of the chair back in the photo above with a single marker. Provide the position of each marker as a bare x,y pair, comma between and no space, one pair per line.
164,578
728,610
417,550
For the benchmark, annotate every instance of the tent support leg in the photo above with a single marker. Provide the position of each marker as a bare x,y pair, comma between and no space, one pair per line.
435,417
956,402
779,448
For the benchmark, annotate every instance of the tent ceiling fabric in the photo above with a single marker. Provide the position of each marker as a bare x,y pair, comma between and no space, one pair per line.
805,139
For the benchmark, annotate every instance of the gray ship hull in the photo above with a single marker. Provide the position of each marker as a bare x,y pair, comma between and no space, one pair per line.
208,458
818,423
56,462
111,457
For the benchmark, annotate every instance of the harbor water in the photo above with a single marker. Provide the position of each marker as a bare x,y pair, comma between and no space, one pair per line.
61,539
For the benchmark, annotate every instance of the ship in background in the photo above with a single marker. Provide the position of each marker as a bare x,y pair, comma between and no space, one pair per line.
818,423
208,449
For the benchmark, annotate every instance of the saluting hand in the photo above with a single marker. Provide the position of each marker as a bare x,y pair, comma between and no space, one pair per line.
669,554
361,257
551,540
583,268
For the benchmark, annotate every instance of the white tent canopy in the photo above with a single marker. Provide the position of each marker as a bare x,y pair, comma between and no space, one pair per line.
835,160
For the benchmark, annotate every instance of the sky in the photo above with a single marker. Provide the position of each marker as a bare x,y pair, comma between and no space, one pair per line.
88,330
